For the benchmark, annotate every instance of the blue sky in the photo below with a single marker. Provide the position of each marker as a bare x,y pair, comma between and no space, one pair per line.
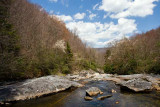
99,22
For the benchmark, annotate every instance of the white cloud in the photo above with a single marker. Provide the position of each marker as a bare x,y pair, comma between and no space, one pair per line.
126,8
89,11
95,6
53,1
98,34
114,5
79,15
91,16
106,15
65,18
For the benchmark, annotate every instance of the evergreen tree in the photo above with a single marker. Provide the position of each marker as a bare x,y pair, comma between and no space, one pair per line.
69,58
108,53
69,52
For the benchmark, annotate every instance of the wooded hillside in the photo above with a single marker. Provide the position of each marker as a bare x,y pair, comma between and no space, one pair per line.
30,47
138,54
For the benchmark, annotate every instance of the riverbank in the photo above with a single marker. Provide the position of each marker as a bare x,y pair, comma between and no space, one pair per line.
37,87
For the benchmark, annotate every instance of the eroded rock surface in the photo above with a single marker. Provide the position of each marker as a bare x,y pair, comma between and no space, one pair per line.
35,87
138,84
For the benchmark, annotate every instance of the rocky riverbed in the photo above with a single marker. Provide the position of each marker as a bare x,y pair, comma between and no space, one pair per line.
135,82
37,87
75,98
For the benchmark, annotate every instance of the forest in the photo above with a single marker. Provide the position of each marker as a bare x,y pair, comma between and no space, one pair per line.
34,44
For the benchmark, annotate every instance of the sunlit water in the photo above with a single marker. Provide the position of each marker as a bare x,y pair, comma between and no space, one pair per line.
75,98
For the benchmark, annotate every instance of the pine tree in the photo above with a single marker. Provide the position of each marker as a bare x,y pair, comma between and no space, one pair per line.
69,52
69,59
107,54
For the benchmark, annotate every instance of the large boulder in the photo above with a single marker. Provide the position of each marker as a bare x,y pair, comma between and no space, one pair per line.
137,84
35,87
93,91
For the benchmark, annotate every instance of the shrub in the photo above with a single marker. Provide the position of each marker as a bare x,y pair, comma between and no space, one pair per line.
86,64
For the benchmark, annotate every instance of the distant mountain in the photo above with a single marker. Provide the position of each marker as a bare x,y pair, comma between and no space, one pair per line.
101,50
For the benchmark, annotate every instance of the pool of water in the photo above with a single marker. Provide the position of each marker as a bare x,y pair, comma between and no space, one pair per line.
75,98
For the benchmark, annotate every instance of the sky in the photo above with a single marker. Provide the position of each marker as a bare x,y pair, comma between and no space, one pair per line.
98,22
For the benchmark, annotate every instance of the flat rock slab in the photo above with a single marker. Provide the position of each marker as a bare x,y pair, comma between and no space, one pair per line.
35,87
93,91
137,84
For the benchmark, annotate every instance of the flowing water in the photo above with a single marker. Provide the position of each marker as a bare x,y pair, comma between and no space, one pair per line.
75,98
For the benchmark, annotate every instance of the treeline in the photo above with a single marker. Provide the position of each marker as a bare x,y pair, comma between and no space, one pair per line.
28,37
138,54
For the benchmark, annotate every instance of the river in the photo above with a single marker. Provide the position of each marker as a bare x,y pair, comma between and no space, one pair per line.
75,98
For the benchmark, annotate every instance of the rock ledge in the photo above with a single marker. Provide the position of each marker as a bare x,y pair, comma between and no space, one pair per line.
35,87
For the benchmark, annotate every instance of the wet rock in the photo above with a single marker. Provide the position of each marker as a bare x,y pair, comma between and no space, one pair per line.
35,87
7,103
114,79
101,92
117,102
93,91
155,82
137,85
113,91
88,98
2,103
103,97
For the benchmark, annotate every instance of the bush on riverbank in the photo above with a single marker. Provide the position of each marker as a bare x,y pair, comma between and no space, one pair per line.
86,64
